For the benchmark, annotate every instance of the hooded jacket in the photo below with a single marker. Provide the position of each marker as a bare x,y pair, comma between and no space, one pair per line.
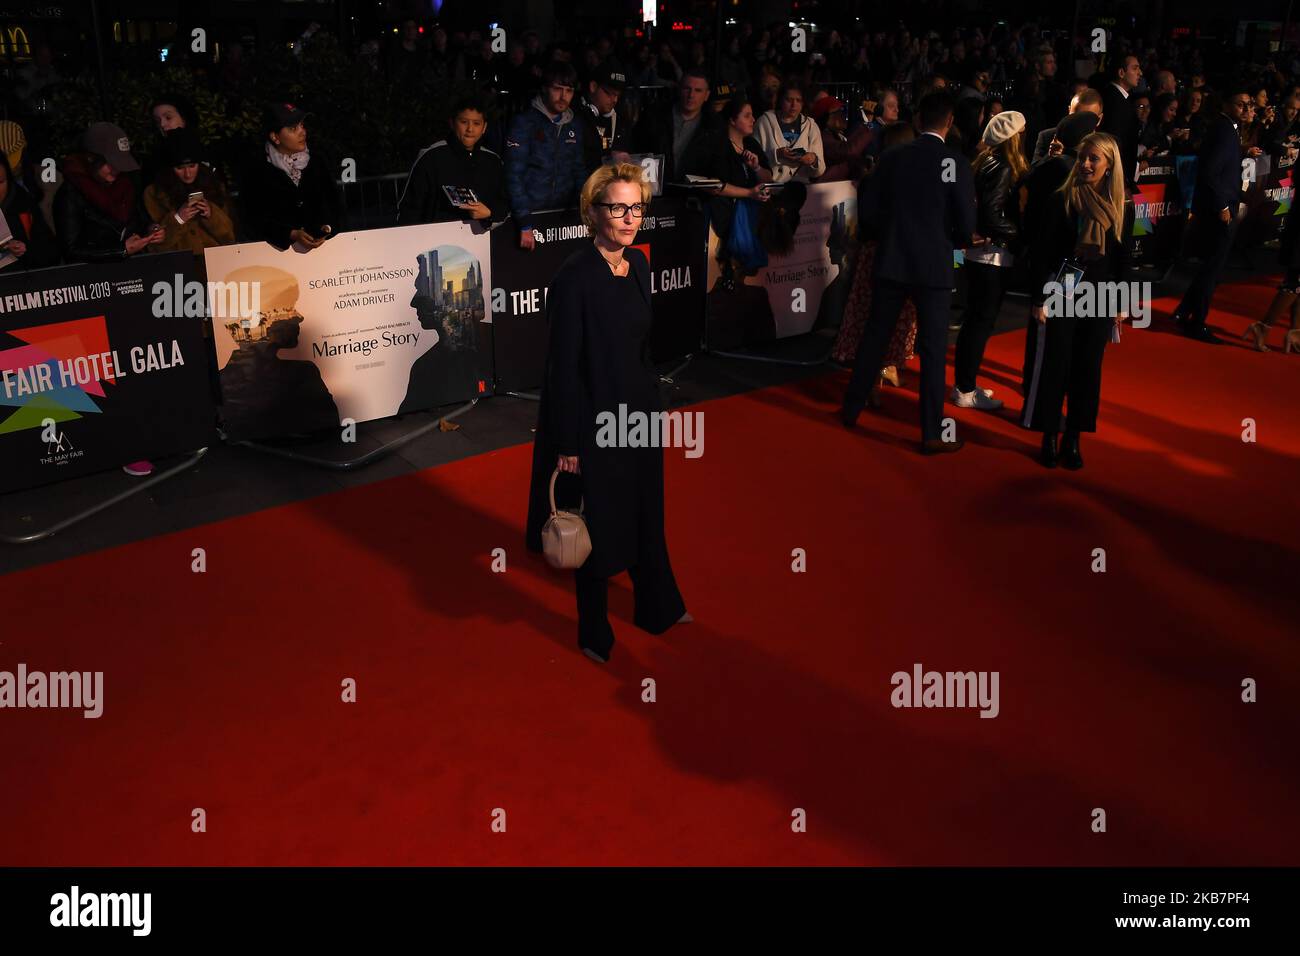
544,161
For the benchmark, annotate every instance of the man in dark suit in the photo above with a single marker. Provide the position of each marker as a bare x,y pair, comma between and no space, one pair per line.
672,130
921,202
1118,117
1215,200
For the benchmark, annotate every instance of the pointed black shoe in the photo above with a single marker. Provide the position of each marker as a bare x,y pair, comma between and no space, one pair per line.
1070,457
1198,331
594,654
1049,453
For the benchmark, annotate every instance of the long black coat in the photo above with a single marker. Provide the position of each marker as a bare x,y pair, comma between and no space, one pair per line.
598,357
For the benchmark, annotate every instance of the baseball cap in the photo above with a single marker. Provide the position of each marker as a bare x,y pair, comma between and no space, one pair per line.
825,104
611,76
276,116
181,147
109,141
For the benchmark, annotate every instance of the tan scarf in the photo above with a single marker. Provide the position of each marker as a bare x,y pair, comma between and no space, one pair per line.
1096,221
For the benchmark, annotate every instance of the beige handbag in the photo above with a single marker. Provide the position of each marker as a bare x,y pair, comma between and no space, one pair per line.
565,540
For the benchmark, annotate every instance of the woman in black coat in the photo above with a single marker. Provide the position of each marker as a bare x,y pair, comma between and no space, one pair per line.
1083,226
732,155
598,359
289,196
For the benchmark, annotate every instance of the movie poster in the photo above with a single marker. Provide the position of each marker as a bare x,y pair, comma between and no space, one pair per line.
799,290
370,324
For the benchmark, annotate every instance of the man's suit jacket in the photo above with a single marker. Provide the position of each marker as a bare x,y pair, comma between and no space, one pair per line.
1218,170
1119,119
1042,145
917,214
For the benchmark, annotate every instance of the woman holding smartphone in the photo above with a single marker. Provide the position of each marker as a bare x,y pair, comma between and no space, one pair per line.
1081,241
792,141
188,199
597,362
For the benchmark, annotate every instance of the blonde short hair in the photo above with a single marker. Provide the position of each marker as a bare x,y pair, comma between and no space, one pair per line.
598,183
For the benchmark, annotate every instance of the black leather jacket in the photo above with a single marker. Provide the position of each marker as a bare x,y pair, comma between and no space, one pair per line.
85,233
995,194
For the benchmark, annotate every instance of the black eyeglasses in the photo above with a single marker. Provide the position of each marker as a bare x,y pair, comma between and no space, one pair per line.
618,210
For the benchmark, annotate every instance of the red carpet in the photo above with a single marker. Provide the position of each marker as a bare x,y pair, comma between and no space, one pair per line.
1119,690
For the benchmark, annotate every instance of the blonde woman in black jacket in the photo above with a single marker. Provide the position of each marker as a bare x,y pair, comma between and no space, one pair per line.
1083,226
999,165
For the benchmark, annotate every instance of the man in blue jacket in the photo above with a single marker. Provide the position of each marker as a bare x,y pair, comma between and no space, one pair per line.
1215,200
544,153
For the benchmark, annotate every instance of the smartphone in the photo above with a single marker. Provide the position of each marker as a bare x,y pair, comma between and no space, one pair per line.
196,196
798,151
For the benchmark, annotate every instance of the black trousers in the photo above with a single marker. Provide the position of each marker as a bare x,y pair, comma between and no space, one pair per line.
658,602
984,290
932,309
1215,239
1063,360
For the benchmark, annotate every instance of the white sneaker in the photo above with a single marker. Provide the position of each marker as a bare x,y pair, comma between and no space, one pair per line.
981,398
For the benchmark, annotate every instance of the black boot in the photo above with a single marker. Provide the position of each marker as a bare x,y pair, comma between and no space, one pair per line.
1049,455
1070,456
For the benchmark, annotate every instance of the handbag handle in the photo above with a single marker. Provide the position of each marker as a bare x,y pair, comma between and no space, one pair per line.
556,474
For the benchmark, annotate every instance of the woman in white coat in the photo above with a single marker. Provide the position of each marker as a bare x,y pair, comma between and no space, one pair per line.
792,141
